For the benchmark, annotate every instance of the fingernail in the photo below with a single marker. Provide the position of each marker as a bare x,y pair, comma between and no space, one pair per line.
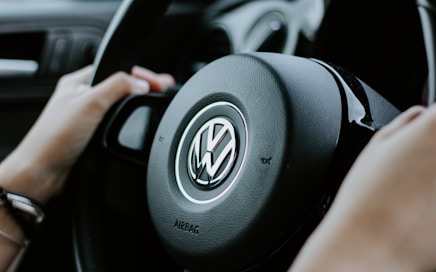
142,86
167,79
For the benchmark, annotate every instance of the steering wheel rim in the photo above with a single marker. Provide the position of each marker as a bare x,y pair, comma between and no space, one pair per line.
88,222
119,37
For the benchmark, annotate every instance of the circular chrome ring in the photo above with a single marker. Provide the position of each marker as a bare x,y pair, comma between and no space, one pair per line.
212,154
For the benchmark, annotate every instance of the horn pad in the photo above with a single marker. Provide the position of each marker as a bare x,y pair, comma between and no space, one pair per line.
239,158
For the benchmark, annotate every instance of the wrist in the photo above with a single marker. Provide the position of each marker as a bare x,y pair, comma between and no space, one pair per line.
25,211
29,176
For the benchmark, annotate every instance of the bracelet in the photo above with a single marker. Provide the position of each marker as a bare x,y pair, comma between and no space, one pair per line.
14,240
27,212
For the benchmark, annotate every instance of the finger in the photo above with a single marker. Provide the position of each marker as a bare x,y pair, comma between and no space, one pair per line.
157,81
116,86
429,119
80,76
166,80
401,120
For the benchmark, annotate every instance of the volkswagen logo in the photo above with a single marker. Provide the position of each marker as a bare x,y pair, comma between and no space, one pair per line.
212,152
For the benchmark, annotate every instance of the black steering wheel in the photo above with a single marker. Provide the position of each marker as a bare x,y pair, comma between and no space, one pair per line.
230,173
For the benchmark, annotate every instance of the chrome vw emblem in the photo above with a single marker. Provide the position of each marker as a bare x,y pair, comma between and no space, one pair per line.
212,152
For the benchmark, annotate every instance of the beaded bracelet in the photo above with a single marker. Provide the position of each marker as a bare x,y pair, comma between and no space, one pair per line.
27,212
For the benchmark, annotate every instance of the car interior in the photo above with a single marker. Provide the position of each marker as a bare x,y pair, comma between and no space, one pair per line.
296,87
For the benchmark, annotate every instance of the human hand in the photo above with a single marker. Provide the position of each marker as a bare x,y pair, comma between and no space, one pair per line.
40,164
383,217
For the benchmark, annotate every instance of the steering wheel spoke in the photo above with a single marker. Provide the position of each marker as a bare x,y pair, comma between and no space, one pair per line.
131,125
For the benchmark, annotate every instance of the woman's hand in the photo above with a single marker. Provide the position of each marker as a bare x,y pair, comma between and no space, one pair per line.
40,164
384,216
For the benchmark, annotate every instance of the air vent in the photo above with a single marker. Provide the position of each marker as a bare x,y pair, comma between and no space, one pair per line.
275,38
268,34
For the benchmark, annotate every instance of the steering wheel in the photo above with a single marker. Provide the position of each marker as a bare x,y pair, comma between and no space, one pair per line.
230,173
